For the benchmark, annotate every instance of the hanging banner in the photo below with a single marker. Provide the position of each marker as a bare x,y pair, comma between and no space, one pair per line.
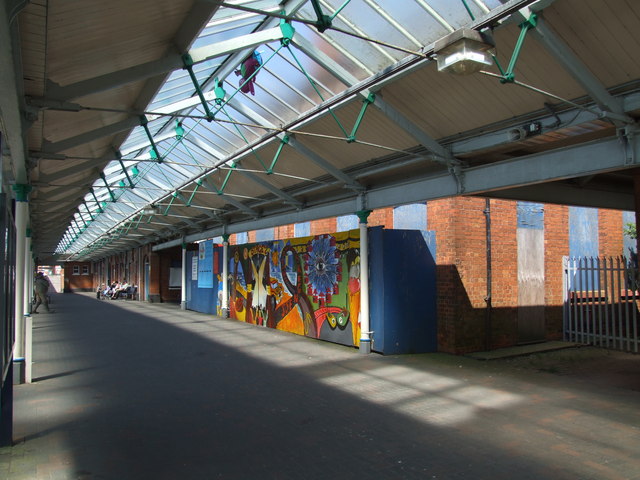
205,264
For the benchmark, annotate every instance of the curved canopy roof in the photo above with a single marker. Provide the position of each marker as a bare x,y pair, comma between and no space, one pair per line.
164,121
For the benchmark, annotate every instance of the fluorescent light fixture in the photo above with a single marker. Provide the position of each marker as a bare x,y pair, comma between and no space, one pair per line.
464,51
150,210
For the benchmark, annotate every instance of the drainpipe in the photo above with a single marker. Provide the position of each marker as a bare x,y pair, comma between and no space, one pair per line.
225,276
183,293
487,298
365,333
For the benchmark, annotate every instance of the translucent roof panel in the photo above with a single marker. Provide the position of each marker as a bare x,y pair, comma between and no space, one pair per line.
366,37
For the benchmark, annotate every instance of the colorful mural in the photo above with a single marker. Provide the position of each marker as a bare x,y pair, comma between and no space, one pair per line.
308,285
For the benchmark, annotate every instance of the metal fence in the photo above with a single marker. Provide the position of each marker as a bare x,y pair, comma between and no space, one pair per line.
601,302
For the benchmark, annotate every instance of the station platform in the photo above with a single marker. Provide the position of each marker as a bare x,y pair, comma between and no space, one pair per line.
126,390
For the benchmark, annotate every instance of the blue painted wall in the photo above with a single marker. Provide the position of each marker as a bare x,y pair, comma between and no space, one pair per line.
583,242
402,292
346,222
410,217
583,232
203,300
530,215
302,229
264,235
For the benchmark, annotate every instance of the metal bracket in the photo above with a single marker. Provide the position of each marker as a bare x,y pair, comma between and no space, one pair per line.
458,175
287,32
629,138
324,21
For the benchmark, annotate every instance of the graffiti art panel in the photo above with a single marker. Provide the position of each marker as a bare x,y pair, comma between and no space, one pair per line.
308,285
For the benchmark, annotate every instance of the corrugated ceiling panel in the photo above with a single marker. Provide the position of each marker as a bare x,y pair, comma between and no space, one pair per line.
610,54
137,32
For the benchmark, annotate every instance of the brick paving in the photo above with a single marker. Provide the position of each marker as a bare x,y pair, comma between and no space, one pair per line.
126,390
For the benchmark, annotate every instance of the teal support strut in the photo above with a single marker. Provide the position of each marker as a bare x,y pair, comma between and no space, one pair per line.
365,104
188,66
198,185
119,157
468,10
531,22
154,148
283,141
324,21
106,184
96,200
88,211
174,195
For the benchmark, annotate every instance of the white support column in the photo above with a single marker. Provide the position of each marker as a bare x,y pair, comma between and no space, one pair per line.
183,295
21,218
365,329
28,273
28,348
225,275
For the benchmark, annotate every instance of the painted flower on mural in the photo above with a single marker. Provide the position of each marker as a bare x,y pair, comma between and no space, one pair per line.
322,268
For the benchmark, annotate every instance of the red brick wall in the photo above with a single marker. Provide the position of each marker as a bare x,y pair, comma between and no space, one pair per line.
78,282
323,226
439,213
504,271
167,257
154,277
610,237
556,245
284,231
382,217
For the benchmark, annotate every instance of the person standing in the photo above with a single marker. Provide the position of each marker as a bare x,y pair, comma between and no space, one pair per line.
41,287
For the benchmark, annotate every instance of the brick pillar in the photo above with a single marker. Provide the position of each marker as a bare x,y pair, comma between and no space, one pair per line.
610,233
556,246
154,278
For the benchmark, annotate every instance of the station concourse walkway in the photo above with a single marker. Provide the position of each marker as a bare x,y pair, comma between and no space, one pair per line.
128,390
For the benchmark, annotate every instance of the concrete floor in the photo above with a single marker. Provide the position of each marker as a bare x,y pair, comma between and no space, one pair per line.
127,390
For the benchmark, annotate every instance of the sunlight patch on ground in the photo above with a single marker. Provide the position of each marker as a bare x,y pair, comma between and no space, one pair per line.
435,399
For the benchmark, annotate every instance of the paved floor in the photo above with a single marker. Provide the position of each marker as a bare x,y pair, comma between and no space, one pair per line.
125,390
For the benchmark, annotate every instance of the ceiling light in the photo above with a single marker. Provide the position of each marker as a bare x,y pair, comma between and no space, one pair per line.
464,51
150,210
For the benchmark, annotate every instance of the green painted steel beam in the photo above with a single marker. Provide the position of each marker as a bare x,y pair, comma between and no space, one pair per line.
365,104
187,60
124,169
144,124
111,195
509,75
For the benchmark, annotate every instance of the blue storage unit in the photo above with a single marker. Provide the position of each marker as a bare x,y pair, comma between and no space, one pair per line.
200,299
402,289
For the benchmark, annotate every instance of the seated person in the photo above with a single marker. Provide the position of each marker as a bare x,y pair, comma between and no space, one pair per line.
108,292
120,288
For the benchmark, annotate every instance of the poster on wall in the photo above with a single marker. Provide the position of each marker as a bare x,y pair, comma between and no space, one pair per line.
205,264
194,268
